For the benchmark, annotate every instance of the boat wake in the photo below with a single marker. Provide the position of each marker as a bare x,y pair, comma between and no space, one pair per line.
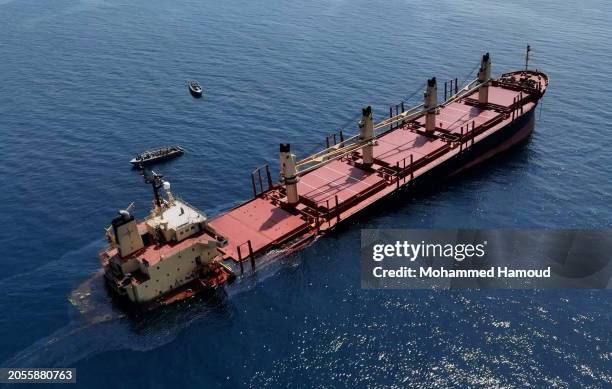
98,324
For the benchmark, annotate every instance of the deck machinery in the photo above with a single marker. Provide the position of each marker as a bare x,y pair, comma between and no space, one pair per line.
412,147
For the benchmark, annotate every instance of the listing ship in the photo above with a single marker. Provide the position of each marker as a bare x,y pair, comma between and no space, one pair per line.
177,252
173,252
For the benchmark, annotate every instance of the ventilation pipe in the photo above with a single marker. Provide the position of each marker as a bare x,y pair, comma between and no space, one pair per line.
484,76
288,173
431,104
366,133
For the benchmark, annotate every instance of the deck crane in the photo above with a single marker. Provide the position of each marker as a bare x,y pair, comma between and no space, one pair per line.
349,145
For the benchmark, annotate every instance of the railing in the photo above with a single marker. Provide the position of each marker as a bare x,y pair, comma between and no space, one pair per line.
334,137
349,145
404,116
399,109
448,88
257,191
249,256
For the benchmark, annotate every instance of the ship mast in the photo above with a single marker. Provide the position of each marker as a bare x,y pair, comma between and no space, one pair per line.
156,182
367,136
527,57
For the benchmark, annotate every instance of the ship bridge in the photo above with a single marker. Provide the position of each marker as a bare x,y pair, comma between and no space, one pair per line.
177,221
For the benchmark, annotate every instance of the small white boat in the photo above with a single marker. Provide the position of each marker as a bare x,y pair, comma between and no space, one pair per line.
195,89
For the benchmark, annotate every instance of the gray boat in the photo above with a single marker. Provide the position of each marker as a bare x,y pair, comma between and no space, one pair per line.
156,155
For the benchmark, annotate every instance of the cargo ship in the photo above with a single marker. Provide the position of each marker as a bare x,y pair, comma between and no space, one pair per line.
176,251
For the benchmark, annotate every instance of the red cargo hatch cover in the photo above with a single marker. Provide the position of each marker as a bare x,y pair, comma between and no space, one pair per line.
259,221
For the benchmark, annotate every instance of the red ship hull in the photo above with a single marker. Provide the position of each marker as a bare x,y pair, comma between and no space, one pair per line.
405,158
469,134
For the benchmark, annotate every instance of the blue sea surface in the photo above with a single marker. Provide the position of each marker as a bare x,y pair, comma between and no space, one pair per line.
85,84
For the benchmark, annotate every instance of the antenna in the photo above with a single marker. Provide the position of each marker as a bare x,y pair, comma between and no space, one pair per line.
527,57
166,186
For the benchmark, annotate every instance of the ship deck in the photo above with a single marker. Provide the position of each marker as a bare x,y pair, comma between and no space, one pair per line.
259,222
340,188
336,180
153,253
